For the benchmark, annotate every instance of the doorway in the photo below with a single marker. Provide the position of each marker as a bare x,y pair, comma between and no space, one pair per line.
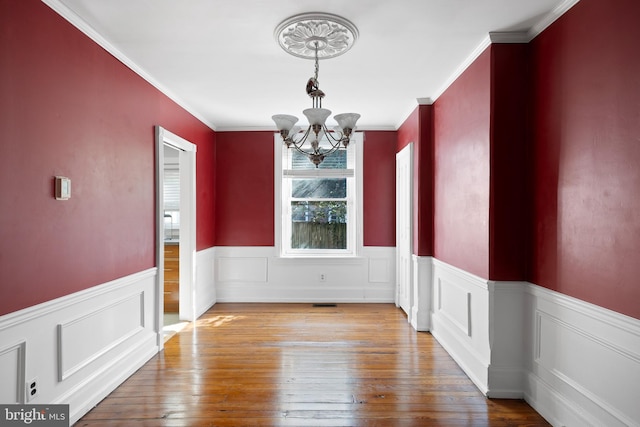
404,228
175,230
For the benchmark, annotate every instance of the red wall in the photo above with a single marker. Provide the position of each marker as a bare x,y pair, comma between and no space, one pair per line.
508,199
69,108
586,227
245,189
418,129
462,163
379,187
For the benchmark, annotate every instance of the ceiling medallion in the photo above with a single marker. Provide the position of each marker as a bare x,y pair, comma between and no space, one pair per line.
301,35
315,36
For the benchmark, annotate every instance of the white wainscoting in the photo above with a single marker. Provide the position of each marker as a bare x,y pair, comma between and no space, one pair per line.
576,363
582,361
460,320
205,280
12,361
480,323
422,288
79,347
258,274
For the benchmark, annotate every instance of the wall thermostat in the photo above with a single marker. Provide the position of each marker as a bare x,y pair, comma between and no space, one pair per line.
63,188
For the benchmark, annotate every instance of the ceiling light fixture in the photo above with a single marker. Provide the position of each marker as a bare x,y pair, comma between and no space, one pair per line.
316,36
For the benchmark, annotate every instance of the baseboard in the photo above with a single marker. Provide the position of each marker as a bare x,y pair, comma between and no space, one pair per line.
80,347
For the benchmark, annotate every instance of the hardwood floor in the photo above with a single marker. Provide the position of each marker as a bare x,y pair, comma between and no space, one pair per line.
299,365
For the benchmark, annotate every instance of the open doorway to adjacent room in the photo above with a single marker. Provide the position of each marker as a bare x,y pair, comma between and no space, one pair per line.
175,233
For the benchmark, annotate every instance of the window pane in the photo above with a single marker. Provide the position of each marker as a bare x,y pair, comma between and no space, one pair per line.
317,188
337,160
319,225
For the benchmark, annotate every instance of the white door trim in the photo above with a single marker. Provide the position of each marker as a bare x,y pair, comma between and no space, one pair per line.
404,229
187,156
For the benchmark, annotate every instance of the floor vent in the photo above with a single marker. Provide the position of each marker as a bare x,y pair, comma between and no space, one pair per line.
325,305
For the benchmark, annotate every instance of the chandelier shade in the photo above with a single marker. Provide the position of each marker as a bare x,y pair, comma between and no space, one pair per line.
347,120
317,116
284,121
318,35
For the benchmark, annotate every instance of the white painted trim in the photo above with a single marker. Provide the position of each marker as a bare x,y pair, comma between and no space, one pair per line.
511,37
74,19
21,316
479,322
99,345
506,341
584,361
12,368
94,358
481,47
258,274
404,174
187,167
205,280
576,363
494,37
422,293
550,18
356,235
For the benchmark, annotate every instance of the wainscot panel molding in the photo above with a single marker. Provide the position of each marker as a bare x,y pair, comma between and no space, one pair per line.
479,322
205,280
258,274
576,363
460,320
582,361
79,347
422,287
12,359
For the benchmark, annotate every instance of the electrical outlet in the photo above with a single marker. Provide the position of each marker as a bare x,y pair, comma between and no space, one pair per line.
32,389
322,277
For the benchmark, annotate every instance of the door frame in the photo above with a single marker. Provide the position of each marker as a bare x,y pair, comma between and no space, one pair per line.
404,213
187,162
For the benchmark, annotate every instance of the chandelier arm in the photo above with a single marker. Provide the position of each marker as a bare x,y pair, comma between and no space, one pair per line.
301,151
301,140
333,139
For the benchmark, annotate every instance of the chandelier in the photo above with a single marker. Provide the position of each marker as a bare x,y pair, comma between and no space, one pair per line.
316,36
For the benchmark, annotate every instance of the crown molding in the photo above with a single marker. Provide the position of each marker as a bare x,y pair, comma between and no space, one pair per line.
359,128
550,18
509,37
492,37
502,37
484,44
75,20
425,101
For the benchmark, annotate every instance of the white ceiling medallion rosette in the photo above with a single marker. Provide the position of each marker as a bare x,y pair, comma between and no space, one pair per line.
299,34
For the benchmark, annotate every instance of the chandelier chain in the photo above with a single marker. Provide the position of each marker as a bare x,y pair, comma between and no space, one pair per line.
317,63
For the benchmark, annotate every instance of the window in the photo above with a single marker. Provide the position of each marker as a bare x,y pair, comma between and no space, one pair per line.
171,193
318,207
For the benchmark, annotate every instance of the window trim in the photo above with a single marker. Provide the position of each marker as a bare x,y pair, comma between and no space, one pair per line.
357,140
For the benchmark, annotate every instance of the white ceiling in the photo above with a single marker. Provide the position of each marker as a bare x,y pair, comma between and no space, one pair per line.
219,58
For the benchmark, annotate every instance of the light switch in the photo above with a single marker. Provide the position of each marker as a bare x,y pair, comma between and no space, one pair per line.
63,188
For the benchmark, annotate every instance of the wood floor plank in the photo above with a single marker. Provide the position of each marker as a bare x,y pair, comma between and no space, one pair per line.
299,365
